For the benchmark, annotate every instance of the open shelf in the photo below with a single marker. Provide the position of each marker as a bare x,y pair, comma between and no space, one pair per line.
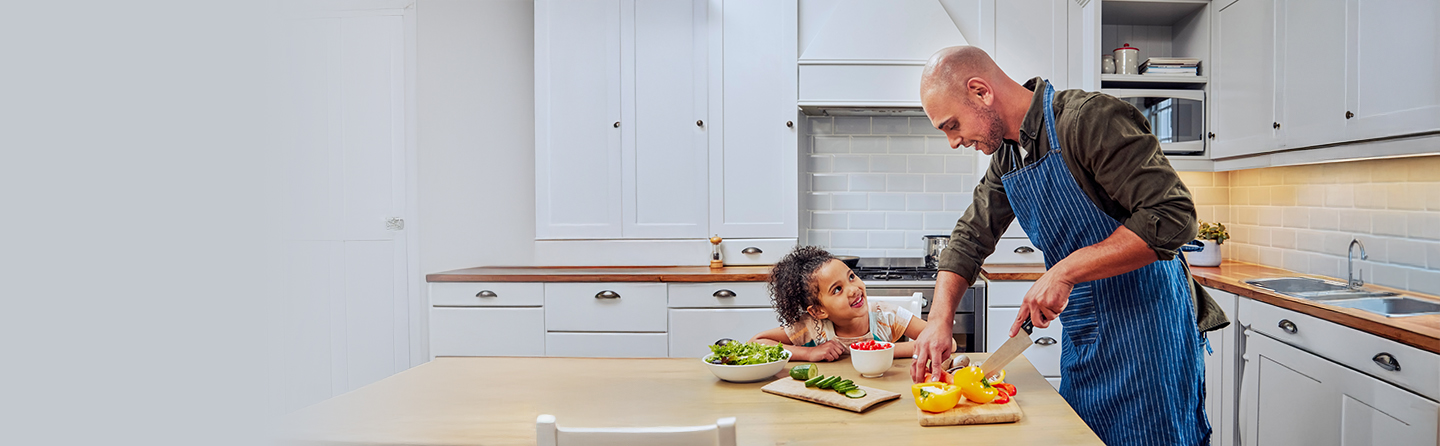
1153,78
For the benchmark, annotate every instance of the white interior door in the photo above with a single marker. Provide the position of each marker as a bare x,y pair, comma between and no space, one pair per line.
347,315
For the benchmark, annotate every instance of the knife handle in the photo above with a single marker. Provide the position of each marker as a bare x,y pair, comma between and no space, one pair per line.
1027,326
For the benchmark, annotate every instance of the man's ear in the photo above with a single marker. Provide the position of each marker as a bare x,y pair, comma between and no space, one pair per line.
817,312
980,89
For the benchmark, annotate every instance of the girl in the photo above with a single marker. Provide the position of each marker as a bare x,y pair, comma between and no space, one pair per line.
822,309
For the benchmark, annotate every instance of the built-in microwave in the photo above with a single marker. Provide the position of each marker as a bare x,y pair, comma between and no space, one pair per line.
1177,117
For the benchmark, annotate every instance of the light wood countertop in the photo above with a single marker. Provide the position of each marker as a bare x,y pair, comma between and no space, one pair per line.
603,274
455,401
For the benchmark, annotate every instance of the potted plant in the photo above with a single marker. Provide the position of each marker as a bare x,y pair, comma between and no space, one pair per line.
1211,236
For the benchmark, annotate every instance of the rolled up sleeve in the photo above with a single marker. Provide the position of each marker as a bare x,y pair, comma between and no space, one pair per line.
1134,173
976,233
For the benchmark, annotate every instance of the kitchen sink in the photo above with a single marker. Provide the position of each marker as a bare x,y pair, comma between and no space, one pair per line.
1314,289
1391,306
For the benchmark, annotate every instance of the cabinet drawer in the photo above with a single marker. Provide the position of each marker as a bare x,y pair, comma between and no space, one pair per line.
1015,231
771,250
1012,250
1419,370
606,345
1045,358
487,331
713,295
477,294
693,331
1008,294
638,307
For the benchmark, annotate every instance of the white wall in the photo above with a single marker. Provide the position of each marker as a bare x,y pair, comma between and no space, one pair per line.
477,133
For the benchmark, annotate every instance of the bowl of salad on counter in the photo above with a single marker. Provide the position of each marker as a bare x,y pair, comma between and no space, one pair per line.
745,362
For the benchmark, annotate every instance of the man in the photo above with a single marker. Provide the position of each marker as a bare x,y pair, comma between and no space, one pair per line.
1087,181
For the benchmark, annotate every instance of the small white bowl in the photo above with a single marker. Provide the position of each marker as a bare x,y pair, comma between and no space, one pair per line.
747,373
873,363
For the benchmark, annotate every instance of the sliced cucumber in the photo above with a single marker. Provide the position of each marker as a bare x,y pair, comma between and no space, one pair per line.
843,389
857,393
813,381
846,382
829,383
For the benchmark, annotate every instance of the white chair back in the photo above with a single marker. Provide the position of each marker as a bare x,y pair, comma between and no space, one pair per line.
912,302
722,433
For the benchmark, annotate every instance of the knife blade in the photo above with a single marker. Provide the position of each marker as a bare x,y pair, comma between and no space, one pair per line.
1008,351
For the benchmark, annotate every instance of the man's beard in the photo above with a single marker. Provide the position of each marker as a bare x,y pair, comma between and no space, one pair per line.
995,131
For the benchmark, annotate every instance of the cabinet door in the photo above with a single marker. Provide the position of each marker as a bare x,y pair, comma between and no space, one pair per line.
664,91
1044,354
754,176
1243,77
1031,39
487,331
1222,373
1311,72
693,330
577,119
1394,56
606,345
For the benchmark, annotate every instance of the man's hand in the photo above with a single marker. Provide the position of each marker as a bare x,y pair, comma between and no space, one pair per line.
934,345
1044,302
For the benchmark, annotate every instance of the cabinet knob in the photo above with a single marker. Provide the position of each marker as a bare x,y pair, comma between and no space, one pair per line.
1288,326
1349,114
1387,362
790,124
1211,135
751,250
699,123
486,293
724,294
1024,250
1045,340
617,124
1276,126
607,294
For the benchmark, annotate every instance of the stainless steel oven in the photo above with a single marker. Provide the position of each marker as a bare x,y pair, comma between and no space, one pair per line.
905,276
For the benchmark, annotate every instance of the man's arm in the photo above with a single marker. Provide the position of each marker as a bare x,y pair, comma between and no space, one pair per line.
1118,254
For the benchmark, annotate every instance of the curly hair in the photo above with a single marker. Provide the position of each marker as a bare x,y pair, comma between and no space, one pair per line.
790,284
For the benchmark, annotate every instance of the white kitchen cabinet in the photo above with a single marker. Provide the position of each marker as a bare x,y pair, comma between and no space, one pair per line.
1032,39
1393,56
1222,372
1044,354
1311,72
577,119
606,345
754,185
693,330
605,307
487,331
1242,76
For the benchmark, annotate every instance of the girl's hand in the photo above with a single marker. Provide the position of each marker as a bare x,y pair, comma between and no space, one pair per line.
826,352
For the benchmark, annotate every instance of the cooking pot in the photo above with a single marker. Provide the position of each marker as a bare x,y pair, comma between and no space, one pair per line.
933,245
850,261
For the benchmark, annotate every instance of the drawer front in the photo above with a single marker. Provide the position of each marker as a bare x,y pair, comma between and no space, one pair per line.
639,307
693,330
719,295
1008,294
771,250
1015,231
1045,358
1054,382
606,345
477,294
1013,250
487,331
1419,370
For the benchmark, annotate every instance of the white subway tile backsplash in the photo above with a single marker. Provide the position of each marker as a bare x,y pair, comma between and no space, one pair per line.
913,253
1313,241
1405,196
817,202
849,239
904,220
1296,261
852,125
925,202
1337,243
849,202
939,145
1424,225
1327,265
1424,281
1246,215
831,144
1271,256
922,126
1271,216
830,220
1432,254
1388,275
1376,248
949,183
1355,220
905,183
887,201
867,220
1297,217
868,144
960,164
888,163
907,144
817,238
887,239
850,163
958,201
1370,196
829,182
820,164
1388,223
1340,195
868,182
927,163
862,252
1432,196
1406,252
1321,218
943,221
1311,195
1282,238
890,125
822,126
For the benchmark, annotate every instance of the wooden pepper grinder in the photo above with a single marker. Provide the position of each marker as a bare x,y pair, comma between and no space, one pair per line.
715,261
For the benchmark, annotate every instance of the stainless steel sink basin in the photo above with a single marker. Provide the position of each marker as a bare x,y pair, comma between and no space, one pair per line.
1314,289
1391,306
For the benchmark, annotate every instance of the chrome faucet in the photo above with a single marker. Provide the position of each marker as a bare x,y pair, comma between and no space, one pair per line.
1354,283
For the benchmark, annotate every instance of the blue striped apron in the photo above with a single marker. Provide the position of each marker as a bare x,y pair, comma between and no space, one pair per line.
1130,357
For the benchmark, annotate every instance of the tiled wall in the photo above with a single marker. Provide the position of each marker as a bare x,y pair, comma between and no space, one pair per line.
1302,218
876,185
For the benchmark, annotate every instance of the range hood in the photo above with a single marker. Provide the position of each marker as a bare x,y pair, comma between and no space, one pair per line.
864,57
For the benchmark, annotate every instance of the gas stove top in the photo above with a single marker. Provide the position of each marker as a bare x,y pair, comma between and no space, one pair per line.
894,268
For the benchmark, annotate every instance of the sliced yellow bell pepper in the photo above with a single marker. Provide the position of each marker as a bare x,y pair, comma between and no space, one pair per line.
968,375
978,392
935,396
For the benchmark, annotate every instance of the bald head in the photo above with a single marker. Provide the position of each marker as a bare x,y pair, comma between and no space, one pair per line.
948,70
969,98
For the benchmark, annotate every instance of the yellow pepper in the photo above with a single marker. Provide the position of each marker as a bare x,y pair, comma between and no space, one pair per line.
978,392
968,375
935,396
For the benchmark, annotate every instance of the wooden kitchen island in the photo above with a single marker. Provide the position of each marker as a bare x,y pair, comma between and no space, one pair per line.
494,401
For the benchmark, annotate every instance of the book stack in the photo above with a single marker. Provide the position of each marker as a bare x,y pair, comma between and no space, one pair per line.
1170,66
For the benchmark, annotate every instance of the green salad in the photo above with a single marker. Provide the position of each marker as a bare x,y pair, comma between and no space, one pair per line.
745,353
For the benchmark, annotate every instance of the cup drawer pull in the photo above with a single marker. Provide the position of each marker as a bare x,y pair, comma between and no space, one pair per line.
486,293
607,294
1288,326
724,293
1024,250
1045,340
1387,362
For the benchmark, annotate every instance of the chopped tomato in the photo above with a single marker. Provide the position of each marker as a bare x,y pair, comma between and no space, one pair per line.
871,345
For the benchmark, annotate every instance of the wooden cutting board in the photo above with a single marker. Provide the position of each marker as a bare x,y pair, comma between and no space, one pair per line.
796,389
970,413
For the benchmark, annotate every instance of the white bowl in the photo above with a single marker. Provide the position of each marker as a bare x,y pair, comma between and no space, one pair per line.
873,363
747,373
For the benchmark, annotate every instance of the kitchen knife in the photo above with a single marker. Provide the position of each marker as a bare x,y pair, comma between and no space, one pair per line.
1008,351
